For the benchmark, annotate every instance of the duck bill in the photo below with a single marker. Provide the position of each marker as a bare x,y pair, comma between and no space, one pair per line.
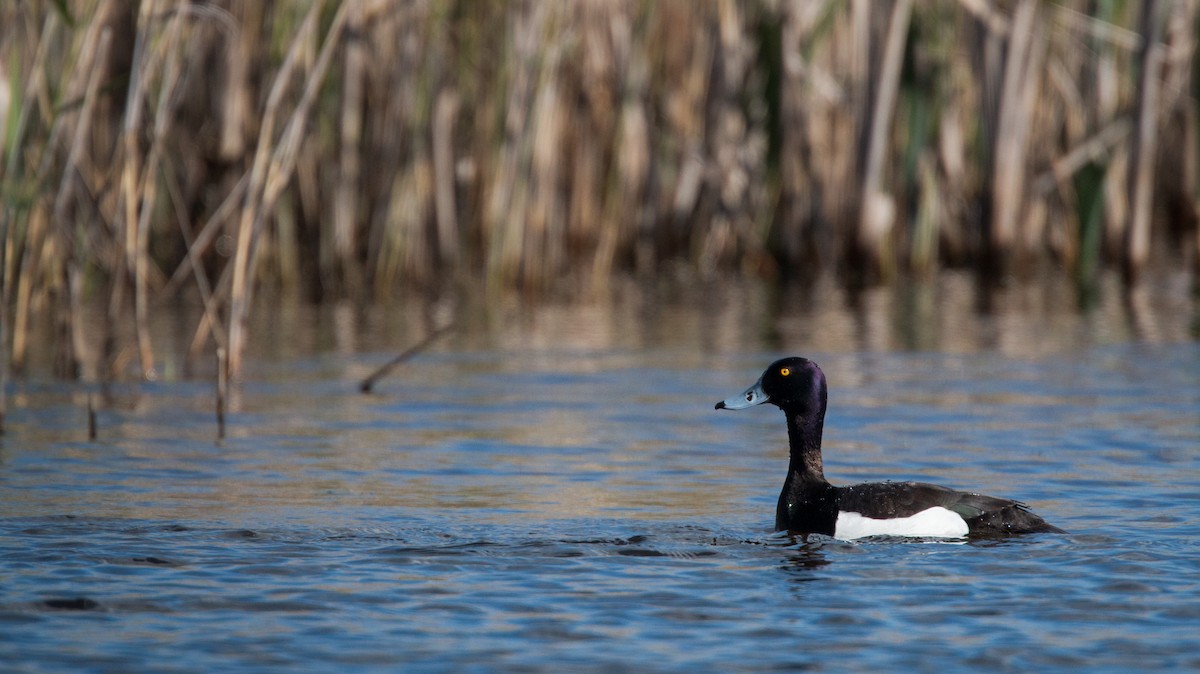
748,398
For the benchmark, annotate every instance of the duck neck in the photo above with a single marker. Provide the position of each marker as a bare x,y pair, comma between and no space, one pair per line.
804,441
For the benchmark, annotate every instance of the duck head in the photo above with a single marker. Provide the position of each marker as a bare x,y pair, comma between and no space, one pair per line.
795,385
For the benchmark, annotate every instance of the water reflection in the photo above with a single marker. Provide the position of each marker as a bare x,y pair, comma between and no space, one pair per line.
950,313
1027,319
803,560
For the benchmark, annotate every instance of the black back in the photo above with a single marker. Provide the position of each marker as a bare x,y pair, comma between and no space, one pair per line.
984,515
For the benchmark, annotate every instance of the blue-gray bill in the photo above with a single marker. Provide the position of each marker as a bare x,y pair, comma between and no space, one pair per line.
748,398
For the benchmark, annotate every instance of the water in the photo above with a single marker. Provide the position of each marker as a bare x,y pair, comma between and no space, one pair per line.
575,504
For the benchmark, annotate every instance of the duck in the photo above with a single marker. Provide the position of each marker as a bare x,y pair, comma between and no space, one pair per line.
809,504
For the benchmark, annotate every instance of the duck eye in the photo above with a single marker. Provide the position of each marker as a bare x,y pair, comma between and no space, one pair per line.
785,371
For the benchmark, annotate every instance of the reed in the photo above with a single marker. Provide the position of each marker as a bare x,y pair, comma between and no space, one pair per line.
222,391
169,149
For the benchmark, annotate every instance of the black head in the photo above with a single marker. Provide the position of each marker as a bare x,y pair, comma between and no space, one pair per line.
795,385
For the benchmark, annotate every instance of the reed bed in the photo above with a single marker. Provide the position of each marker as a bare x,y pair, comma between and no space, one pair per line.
169,149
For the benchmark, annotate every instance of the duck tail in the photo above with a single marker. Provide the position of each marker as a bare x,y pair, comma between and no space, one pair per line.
1014,519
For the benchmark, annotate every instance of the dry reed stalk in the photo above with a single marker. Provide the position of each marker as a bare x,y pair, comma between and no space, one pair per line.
878,211
243,271
7,154
1092,149
235,112
801,189
541,192
1019,80
506,193
6,99
1180,160
3,331
18,253
349,176
626,212
401,182
212,324
89,72
30,265
732,152
273,166
445,111
1145,140
924,248
170,53
849,61
404,246
1100,28
132,177
197,247
222,391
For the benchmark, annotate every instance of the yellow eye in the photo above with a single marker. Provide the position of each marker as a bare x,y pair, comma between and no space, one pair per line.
784,371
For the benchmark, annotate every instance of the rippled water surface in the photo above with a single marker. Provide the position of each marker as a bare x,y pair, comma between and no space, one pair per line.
516,507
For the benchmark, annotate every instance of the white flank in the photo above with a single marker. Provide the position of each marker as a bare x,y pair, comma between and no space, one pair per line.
935,522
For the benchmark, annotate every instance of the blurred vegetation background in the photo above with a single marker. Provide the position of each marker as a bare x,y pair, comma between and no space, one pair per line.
159,151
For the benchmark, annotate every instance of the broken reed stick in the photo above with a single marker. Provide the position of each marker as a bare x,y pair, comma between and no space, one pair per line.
222,386
369,383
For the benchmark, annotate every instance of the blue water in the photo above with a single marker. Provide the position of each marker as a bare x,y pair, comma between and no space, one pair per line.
517,508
